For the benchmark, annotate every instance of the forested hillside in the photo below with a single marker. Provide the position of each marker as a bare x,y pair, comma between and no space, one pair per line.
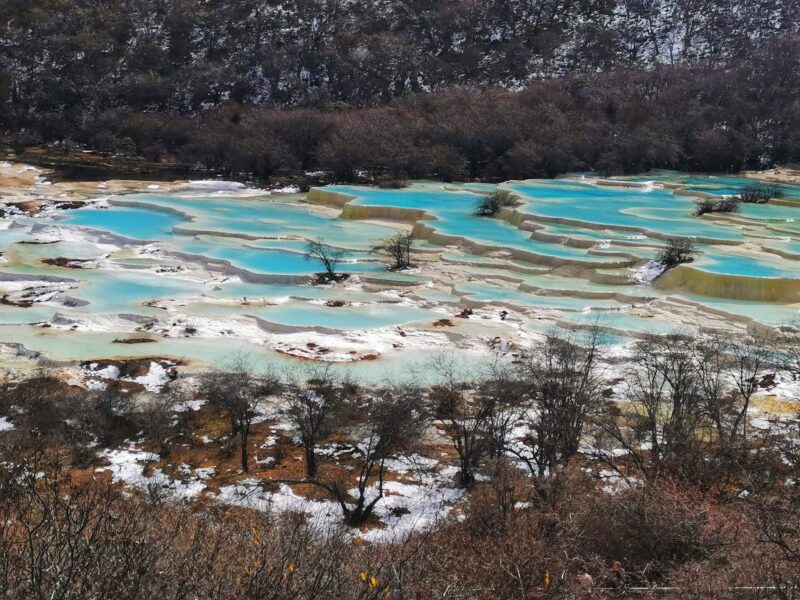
104,73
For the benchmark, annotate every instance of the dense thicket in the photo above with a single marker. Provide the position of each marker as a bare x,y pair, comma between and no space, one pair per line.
393,86
681,487
187,54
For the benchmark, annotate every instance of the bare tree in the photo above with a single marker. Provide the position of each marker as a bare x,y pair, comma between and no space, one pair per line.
723,205
751,359
788,351
665,410
313,398
379,425
239,390
710,361
393,421
676,252
156,418
399,248
759,193
561,381
488,205
466,417
504,391
329,256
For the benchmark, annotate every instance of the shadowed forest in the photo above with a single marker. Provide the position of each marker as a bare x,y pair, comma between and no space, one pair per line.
666,487
450,90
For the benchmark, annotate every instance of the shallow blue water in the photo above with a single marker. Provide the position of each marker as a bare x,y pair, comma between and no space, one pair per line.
345,317
136,223
657,210
268,235
126,292
265,218
749,266
453,212
491,293
625,322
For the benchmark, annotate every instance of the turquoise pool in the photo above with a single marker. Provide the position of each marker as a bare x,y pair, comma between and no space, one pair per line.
227,259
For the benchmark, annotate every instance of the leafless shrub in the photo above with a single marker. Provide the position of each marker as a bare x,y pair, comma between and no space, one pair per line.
723,205
488,205
665,407
315,397
562,381
649,530
465,417
329,256
240,390
759,193
399,248
393,421
676,252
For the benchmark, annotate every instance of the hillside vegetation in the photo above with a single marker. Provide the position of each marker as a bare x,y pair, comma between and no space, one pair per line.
494,89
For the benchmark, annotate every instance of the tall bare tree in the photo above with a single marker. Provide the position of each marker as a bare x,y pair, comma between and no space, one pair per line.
313,397
665,408
239,389
788,354
393,420
562,383
504,392
466,417
751,359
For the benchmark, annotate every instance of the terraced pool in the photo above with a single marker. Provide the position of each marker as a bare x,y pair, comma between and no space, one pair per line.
200,273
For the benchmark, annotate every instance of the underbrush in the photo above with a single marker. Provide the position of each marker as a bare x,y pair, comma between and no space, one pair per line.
546,479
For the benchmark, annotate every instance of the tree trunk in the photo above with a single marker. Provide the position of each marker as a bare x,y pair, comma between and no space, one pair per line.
311,462
466,475
244,450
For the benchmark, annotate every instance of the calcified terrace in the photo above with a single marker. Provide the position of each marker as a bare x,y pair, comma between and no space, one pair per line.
194,271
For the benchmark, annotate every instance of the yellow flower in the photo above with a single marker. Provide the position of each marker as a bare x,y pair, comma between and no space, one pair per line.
363,575
291,567
373,582
546,579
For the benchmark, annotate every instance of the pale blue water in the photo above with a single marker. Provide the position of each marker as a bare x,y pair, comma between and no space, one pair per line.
489,293
126,292
345,317
136,223
453,214
791,245
624,322
265,218
267,237
272,261
770,266
11,315
763,312
657,210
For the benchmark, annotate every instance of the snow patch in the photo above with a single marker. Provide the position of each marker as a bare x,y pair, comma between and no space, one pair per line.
129,465
648,273
156,378
213,184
